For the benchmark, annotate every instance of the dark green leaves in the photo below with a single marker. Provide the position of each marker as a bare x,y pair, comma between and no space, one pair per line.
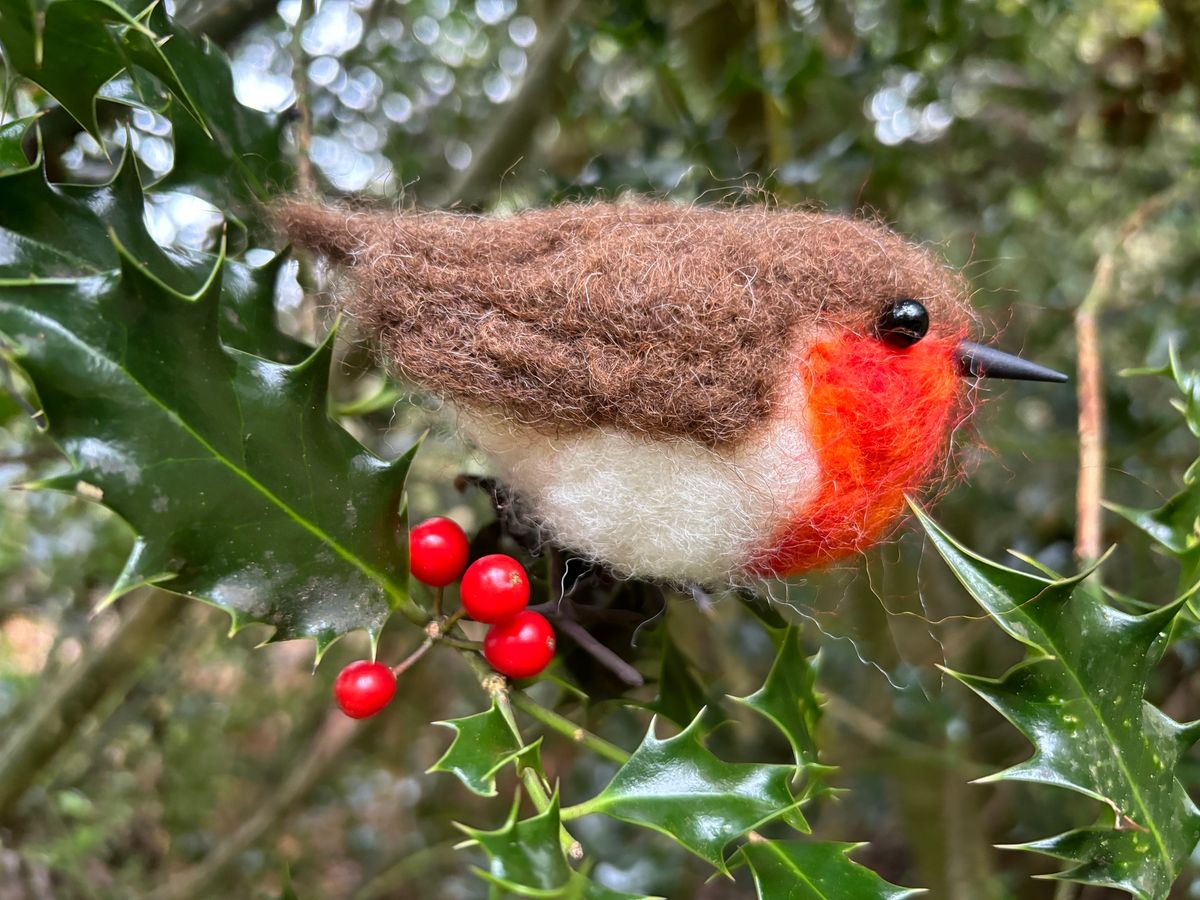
235,149
788,697
678,787
163,376
681,694
1175,525
11,134
483,745
1078,697
526,859
241,489
814,870
73,47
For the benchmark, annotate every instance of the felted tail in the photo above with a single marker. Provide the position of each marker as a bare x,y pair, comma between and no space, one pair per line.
339,234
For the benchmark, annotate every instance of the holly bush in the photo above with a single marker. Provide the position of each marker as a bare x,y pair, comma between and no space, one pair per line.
265,469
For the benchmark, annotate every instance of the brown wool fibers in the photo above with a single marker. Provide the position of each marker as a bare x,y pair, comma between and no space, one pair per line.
657,319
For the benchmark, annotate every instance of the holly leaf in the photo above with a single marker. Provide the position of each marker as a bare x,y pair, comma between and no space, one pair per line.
72,48
243,492
814,870
677,787
248,312
12,155
526,858
1175,525
236,150
681,694
788,697
483,744
1078,697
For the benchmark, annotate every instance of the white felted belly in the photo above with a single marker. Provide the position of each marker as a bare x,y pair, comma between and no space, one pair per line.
670,510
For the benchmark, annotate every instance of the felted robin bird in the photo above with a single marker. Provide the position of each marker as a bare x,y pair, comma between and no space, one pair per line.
696,395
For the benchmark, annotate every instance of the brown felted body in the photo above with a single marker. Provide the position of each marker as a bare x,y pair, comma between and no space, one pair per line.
658,319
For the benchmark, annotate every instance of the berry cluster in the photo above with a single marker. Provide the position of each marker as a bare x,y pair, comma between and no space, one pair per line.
494,590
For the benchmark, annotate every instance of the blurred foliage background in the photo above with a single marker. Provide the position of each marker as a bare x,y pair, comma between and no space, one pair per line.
1016,137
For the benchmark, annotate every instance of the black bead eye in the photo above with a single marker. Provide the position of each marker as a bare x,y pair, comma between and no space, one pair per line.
902,323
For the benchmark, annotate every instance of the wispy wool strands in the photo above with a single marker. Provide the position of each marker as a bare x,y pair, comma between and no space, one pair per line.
676,391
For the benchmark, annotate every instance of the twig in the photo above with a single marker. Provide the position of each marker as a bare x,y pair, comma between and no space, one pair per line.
623,670
305,182
593,614
59,709
498,688
336,734
407,663
35,455
868,727
1090,490
566,727
770,61
459,644
388,882
515,121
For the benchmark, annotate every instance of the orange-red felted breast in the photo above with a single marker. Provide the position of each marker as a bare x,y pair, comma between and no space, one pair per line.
880,420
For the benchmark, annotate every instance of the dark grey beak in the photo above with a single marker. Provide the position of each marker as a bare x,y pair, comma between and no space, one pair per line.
978,361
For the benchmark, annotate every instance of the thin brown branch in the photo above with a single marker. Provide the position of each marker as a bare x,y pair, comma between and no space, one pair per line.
50,722
516,120
306,183
334,736
875,732
413,658
1090,487
770,61
407,870
607,658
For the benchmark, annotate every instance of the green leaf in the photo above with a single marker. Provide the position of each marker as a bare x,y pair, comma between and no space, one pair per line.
526,859
483,744
677,787
12,157
248,312
788,697
526,853
814,870
242,157
1078,697
1175,525
242,491
681,694
73,47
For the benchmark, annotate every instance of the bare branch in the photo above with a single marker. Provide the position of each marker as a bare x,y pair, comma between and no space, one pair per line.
516,120
1090,487
47,726
335,734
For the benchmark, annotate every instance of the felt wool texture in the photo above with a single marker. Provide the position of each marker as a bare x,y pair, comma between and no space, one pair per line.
880,420
683,393
675,511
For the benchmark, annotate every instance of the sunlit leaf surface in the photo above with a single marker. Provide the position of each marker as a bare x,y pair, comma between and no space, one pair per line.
242,490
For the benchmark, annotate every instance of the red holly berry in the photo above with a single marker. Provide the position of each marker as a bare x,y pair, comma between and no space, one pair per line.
520,647
363,688
494,588
437,551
